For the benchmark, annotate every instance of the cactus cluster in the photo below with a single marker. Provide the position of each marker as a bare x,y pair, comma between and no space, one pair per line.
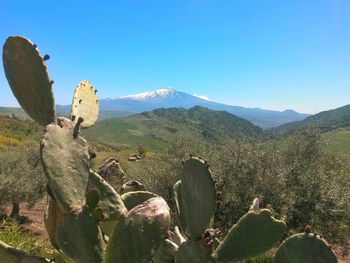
95,217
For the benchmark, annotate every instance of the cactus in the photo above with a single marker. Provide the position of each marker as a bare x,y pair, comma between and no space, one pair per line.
132,199
27,75
10,254
132,186
304,248
85,104
111,171
198,196
252,235
65,161
80,238
140,233
80,200
256,232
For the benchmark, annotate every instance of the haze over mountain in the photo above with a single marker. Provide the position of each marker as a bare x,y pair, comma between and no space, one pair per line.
171,98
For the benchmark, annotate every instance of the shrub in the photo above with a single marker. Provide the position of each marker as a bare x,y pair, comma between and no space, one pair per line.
21,177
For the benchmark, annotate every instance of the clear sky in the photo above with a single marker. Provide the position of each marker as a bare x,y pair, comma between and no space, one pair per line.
268,54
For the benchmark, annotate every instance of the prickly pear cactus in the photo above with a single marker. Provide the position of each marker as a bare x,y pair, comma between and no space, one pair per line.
79,237
111,171
255,233
9,254
132,186
305,248
198,196
177,192
140,233
65,161
110,203
53,218
85,104
27,76
195,199
132,199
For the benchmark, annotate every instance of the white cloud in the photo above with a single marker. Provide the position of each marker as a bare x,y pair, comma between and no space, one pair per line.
204,97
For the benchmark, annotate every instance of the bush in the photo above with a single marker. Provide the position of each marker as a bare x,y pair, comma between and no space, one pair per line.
304,184
21,177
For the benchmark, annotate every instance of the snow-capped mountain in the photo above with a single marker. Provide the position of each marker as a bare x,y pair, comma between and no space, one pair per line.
171,98
154,94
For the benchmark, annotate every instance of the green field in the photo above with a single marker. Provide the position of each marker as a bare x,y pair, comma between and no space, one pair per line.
338,141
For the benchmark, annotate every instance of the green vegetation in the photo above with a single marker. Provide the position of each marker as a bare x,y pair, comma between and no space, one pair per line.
301,179
12,234
338,141
155,127
12,111
21,177
14,131
325,121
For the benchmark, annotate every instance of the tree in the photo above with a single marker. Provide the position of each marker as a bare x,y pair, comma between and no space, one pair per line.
21,177
142,149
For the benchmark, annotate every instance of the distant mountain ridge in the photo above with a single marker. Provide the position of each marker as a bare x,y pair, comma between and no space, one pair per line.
159,125
171,98
326,121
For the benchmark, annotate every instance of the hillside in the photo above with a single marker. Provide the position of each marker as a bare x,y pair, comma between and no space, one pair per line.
13,111
150,128
14,131
326,121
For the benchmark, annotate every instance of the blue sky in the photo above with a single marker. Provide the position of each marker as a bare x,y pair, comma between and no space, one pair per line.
268,54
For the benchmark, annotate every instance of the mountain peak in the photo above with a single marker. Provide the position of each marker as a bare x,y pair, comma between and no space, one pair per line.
158,93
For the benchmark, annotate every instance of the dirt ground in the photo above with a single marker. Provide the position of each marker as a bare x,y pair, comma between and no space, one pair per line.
35,216
36,225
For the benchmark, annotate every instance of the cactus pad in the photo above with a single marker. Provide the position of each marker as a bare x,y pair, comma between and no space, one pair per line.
66,164
85,104
110,202
9,254
52,218
132,186
80,238
132,199
140,233
111,171
198,189
166,252
253,234
27,76
193,252
305,248
179,205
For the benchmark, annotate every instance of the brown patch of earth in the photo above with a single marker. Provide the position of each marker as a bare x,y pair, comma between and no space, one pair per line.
35,216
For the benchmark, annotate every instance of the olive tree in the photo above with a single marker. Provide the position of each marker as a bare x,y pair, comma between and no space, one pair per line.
21,177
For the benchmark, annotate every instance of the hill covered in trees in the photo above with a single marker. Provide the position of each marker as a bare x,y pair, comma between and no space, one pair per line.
152,127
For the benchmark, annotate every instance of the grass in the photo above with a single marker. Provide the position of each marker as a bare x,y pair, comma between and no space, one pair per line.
261,259
12,234
338,141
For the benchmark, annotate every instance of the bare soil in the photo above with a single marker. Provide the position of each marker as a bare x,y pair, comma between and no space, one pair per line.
35,216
